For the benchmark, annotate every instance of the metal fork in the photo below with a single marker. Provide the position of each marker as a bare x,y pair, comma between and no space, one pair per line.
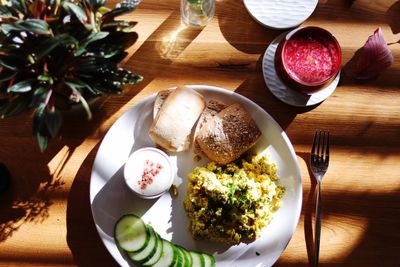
319,162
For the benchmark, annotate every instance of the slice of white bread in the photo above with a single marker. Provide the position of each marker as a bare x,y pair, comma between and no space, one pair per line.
160,99
213,107
228,134
172,126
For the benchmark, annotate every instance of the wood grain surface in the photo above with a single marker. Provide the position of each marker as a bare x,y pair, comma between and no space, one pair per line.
45,216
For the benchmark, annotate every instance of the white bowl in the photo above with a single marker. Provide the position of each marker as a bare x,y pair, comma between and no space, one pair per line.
148,172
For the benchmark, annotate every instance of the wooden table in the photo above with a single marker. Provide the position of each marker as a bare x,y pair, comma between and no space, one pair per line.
45,217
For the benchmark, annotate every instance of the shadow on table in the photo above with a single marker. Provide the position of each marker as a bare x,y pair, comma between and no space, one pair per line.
308,209
250,37
349,204
241,30
33,187
82,236
283,113
392,15
386,79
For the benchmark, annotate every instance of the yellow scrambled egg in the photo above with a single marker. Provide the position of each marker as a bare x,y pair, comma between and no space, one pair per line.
232,203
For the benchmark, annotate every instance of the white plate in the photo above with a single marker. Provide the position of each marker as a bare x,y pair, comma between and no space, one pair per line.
110,198
284,93
280,14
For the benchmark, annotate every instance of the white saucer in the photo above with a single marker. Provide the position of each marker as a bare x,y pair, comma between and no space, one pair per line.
280,14
285,93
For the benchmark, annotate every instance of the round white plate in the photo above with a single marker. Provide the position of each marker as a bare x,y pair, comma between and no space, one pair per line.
280,14
282,91
110,198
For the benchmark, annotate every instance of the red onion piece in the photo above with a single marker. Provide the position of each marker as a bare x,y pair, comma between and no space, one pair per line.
375,57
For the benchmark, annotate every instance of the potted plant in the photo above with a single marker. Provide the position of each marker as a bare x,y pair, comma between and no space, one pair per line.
59,53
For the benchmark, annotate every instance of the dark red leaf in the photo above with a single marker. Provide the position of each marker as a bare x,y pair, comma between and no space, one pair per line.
375,57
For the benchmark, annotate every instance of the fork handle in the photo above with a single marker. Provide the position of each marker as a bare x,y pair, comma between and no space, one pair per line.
317,229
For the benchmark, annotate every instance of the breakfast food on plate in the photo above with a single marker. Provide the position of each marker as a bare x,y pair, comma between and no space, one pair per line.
213,107
222,133
232,203
160,99
172,127
228,134
144,246
148,172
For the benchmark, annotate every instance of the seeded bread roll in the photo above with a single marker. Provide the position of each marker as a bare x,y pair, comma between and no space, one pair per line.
212,108
228,134
172,127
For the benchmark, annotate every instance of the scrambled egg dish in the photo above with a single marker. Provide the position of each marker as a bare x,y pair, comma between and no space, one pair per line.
232,203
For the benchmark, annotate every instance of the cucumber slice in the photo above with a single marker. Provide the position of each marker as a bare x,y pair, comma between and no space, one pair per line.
168,256
150,249
197,259
144,246
187,259
131,233
157,254
180,259
209,261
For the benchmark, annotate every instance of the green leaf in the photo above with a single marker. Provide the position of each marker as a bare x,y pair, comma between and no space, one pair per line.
88,65
38,120
15,106
12,61
3,103
105,51
47,46
86,107
76,90
38,97
123,39
28,25
132,79
6,75
95,4
107,87
19,5
118,25
75,84
45,78
94,36
120,10
21,87
80,85
53,122
72,8
7,13
42,142
8,47
122,76
103,10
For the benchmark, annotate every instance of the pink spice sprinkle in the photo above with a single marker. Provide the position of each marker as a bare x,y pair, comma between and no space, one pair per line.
149,173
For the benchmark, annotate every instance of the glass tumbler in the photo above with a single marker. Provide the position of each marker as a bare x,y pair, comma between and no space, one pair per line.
197,12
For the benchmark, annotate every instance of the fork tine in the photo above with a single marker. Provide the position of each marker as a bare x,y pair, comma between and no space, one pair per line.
327,149
313,147
319,148
323,146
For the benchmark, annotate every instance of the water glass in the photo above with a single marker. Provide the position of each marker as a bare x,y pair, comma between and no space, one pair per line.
197,12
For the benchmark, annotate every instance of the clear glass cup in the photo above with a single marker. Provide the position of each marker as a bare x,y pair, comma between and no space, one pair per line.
197,12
